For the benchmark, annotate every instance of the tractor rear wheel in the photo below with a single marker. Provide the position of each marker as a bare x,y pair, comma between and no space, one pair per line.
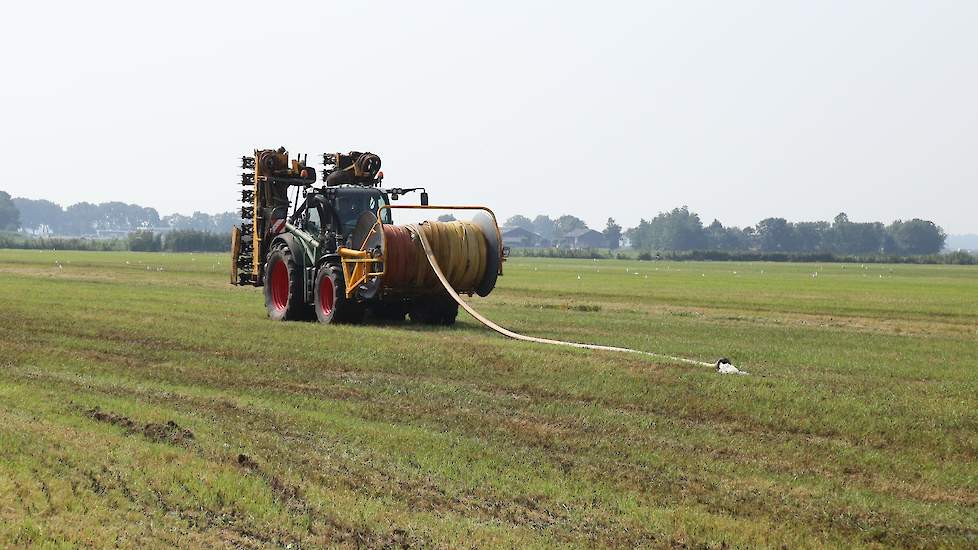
331,303
283,287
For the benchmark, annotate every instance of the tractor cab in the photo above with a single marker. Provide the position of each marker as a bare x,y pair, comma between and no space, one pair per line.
352,201
335,211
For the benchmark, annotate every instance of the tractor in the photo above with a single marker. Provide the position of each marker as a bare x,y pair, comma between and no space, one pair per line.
332,253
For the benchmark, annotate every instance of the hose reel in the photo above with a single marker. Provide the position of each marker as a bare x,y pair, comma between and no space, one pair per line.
390,258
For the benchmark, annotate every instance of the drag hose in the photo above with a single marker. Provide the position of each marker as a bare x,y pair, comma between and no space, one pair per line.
450,242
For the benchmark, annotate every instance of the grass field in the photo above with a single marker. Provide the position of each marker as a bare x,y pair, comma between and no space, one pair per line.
143,401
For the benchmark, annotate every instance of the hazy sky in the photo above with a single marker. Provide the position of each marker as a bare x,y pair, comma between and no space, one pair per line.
741,110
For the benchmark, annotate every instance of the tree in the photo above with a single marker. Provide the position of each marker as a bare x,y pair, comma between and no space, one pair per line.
639,236
119,216
224,221
776,235
812,236
519,221
612,232
446,218
544,226
729,239
856,238
81,218
916,236
9,215
716,235
567,223
750,235
37,213
678,229
193,240
741,239
144,241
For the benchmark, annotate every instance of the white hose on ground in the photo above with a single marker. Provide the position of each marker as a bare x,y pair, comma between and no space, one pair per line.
719,365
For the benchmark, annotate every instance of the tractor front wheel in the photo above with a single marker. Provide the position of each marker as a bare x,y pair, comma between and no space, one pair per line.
332,305
283,287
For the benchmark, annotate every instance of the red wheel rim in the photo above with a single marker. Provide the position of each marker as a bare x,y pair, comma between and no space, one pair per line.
280,285
326,296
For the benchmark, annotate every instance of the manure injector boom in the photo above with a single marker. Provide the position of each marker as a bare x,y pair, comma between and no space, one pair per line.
334,254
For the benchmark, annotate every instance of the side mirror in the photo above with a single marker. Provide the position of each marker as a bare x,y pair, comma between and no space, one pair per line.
424,198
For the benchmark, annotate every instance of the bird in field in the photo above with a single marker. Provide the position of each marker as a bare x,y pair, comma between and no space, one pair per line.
723,366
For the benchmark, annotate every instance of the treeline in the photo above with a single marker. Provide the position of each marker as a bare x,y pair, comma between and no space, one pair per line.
107,218
680,230
951,258
181,240
185,240
24,242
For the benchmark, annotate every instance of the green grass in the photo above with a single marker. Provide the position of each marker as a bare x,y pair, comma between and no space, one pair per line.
857,427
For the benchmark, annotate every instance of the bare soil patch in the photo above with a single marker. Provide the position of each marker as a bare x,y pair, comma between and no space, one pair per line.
170,432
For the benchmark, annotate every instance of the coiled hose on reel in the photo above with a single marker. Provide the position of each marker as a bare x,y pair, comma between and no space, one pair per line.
460,247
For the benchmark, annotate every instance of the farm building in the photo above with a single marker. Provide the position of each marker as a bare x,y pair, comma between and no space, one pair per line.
519,237
583,238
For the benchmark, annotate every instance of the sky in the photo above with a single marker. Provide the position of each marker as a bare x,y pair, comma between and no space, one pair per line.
740,110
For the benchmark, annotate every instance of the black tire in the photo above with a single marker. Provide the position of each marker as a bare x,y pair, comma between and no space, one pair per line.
331,303
434,310
388,312
283,287
449,311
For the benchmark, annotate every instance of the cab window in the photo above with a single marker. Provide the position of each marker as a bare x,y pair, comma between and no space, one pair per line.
352,203
313,222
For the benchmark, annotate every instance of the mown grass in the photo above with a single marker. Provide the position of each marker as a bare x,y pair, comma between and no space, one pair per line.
857,427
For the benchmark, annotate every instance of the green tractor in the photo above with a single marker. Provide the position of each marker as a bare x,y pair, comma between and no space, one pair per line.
323,254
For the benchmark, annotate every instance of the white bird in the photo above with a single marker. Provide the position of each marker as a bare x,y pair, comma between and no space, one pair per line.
724,367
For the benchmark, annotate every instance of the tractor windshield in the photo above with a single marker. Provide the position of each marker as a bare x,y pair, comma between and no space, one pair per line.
351,202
